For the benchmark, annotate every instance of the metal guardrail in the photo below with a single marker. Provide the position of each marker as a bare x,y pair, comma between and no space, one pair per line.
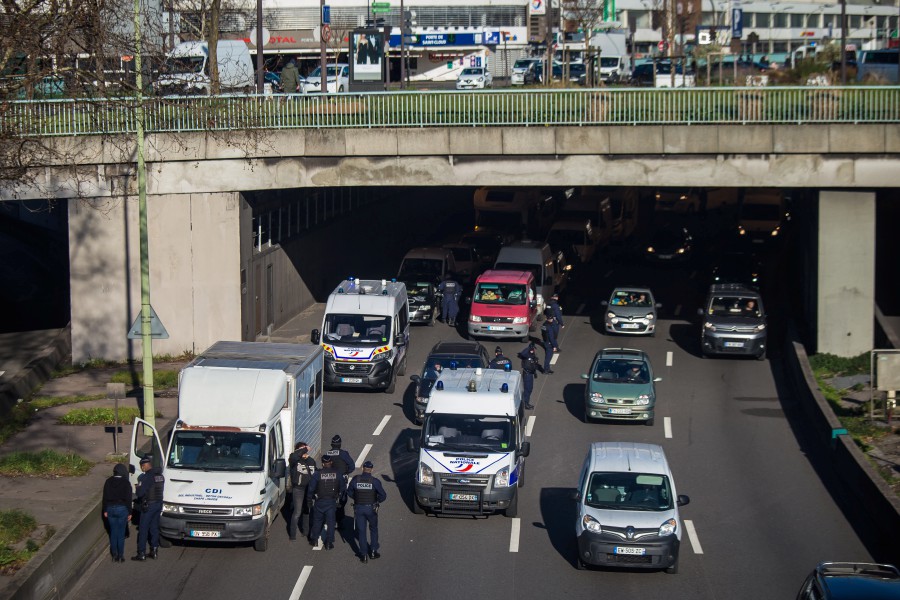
493,108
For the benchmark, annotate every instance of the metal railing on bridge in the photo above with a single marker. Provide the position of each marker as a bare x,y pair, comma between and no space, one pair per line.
495,108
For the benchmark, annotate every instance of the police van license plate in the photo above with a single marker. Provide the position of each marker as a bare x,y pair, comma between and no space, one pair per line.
627,550
734,344
496,328
205,534
351,379
620,411
463,497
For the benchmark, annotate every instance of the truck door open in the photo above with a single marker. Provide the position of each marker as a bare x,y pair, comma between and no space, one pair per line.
144,441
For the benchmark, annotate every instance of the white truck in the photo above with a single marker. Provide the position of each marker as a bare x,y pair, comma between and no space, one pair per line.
241,408
186,70
472,450
615,62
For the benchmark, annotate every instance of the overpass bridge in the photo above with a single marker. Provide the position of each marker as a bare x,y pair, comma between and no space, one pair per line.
205,155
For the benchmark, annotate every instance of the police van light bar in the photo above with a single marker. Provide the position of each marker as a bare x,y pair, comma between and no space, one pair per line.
452,365
472,387
507,367
439,386
505,387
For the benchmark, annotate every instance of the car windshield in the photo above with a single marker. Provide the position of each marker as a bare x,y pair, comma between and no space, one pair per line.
462,254
631,298
629,491
522,63
621,371
472,71
436,364
419,289
500,293
668,238
609,61
419,267
734,306
357,330
469,432
217,450
330,69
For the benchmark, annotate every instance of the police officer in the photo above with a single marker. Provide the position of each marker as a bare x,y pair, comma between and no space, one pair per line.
344,465
325,488
451,290
557,311
530,368
499,361
302,467
367,493
548,335
149,493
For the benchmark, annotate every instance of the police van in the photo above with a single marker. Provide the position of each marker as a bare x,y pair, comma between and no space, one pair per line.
472,449
365,334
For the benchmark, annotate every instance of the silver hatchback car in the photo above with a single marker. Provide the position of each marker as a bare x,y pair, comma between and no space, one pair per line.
631,311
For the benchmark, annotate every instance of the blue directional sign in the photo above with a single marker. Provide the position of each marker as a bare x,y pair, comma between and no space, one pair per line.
737,23
326,14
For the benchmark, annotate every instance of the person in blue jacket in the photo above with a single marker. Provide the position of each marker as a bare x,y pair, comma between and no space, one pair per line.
367,494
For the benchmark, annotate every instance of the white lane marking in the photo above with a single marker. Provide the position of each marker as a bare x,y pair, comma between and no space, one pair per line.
362,455
2,373
667,426
554,358
301,582
318,545
580,309
692,536
669,358
677,310
693,274
384,422
529,425
514,535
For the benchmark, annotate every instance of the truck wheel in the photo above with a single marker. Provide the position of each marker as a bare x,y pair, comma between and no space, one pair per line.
521,482
401,370
513,508
392,385
165,542
417,508
262,544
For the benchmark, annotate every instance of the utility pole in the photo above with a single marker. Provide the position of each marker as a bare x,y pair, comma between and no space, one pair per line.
843,42
404,22
323,60
260,68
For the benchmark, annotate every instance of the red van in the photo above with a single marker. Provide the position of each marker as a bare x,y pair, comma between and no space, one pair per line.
504,305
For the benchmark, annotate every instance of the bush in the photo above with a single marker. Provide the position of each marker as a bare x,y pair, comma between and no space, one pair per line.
162,379
46,463
829,365
101,415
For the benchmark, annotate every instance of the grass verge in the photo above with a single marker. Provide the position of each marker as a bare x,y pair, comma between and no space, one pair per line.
17,545
101,415
163,379
46,463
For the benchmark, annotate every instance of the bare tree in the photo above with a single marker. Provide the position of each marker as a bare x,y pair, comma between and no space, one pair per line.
584,16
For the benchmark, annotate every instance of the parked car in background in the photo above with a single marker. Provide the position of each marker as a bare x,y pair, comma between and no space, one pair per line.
737,267
631,310
851,581
523,71
274,79
487,243
474,78
468,262
337,75
424,301
445,355
642,75
620,386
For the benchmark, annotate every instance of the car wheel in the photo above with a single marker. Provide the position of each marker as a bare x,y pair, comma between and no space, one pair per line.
673,570
649,422
341,90
525,339
401,370
262,544
392,385
579,564
521,481
417,508
761,355
513,509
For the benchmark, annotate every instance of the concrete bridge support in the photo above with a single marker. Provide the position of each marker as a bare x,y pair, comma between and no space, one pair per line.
846,273
194,272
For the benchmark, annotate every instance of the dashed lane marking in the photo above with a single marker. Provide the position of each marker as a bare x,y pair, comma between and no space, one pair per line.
301,582
554,358
677,310
363,454
670,357
380,427
608,274
514,535
580,309
692,536
529,425
667,427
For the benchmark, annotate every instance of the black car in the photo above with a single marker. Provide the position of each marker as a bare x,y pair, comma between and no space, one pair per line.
424,301
669,244
737,267
446,355
839,581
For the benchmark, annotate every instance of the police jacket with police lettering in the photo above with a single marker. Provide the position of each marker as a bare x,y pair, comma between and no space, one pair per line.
326,483
302,469
499,362
150,485
341,461
366,489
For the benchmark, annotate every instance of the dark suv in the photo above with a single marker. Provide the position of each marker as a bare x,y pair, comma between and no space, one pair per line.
445,355
840,580
734,322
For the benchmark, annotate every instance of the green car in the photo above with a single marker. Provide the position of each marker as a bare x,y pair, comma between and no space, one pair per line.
620,386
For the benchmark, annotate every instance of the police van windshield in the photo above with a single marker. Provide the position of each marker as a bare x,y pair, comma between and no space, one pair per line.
217,451
357,330
629,491
469,432
500,293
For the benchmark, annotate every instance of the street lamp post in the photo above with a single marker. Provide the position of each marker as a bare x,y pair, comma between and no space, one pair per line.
843,42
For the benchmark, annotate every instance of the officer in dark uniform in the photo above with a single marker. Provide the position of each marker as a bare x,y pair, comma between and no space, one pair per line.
557,311
367,493
499,361
451,290
149,494
325,487
344,465
530,367
548,335
302,467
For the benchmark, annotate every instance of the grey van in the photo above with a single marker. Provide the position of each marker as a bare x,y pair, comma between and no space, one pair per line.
734,322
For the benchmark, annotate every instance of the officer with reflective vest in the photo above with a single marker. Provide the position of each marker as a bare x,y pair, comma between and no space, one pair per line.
344,465
325,487
302,467
499,361
149,494
367,493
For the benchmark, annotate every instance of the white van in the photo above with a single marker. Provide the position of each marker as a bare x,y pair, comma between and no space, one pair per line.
241,408
186,70
472,450
627,513
550,268
762,214
365,334
429,263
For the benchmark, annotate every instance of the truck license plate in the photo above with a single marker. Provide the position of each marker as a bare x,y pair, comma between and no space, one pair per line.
351,380
205,534
464,497
627,550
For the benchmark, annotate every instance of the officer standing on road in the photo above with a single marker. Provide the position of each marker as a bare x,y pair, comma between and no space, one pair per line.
548,335
451,291
499,361
557,313
530,368
149,493
344,465
302,467
325,487
367,493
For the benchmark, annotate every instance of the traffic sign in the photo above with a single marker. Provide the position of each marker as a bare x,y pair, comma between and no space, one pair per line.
376,9
326,14
662,45
381,5
326,33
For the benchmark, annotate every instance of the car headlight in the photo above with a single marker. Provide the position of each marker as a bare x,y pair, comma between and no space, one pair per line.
650,250
597,397
649,316
643,399
383,356
761,327
742,231
475,318
426,475
591,524
679,251
501,479
248,511
775,231
520,320
709,326
668,527
611,315
422,400
425,307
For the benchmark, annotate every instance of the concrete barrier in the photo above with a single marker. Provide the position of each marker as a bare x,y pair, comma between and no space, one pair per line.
37,371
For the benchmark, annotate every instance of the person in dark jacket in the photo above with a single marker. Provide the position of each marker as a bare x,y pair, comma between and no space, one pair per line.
150,486
344,465
290,78
302,467
499,361
367,493
117,499
530,367
325,488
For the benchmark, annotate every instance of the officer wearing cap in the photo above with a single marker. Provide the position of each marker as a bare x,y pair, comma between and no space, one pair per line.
499,361
325,488
557,311
302,467
530,367
149,493
450,290
548,335
344,465
367,493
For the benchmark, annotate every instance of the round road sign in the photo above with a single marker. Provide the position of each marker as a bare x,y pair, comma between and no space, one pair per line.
326,33
662,45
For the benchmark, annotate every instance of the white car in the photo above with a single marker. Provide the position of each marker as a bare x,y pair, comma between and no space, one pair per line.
338,79
474,78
